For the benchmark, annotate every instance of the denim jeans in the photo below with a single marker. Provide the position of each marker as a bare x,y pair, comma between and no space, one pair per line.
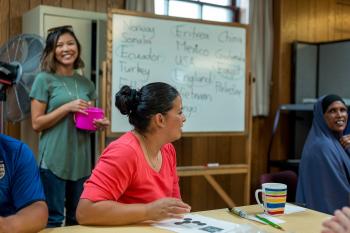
61,194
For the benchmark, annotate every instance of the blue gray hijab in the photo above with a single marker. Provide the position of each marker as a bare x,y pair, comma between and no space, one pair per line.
324,180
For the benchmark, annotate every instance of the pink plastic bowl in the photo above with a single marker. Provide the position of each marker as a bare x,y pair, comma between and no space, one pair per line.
85,122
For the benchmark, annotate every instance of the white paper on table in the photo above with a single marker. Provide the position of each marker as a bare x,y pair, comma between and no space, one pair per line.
289,209
209,225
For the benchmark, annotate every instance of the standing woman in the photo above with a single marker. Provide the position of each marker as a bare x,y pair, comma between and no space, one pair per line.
64,151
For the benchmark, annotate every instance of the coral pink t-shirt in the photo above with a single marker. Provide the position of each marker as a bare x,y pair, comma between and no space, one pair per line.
122,174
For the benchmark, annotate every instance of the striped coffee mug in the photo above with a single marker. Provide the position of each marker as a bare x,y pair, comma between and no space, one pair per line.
274,196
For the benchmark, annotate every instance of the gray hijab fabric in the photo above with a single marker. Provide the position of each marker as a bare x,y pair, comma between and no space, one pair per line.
324,171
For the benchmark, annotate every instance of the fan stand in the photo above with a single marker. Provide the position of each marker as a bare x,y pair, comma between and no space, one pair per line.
2,99
9,74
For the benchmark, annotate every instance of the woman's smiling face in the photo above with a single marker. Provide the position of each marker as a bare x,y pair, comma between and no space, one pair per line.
336,116
66,51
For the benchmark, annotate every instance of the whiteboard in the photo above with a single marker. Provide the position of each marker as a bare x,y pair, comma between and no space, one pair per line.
205,62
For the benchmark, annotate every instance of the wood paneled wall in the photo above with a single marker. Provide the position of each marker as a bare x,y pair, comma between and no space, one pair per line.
312,20
201,150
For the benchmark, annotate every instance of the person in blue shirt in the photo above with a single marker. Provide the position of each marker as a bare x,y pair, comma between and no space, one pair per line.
324,171
22,200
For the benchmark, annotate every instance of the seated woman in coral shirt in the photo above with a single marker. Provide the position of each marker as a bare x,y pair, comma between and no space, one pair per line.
135,178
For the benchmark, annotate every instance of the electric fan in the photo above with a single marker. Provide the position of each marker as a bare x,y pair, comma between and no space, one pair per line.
19,63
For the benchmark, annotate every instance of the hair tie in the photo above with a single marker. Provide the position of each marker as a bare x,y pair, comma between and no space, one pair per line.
135,99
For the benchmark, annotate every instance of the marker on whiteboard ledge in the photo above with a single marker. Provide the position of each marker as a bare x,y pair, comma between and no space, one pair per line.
212,165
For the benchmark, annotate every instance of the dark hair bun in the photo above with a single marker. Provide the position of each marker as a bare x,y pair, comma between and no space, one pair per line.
127,100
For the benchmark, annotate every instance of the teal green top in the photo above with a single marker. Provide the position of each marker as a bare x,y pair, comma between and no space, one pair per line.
63,148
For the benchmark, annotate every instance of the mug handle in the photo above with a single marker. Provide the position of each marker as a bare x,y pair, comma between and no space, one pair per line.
257,197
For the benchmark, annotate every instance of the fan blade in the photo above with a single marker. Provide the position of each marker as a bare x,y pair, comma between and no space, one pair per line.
35,48
23,51
27,80
21,48
31,64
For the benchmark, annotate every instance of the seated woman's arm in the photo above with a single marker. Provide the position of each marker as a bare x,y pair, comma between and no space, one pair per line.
111,213
30,219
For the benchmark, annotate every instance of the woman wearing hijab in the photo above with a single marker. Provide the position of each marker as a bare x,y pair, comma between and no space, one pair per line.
324,180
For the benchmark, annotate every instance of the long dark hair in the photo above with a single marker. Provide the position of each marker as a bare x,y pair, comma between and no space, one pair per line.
48,59
141,105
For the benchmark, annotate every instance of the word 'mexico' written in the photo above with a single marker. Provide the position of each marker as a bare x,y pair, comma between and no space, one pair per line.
192,49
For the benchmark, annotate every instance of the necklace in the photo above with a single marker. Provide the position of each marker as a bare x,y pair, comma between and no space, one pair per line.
153,164
69,92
